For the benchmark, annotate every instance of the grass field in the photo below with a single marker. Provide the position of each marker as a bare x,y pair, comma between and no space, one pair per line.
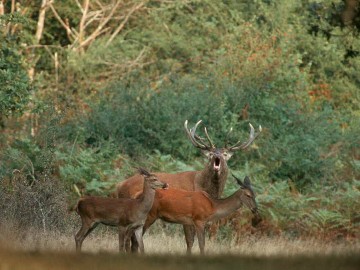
34,250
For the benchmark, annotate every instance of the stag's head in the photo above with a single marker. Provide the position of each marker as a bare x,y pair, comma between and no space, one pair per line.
247,195
218,157
152,180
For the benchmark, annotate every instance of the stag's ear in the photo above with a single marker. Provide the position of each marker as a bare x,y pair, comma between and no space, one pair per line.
238,181
143,172
247,181
227,155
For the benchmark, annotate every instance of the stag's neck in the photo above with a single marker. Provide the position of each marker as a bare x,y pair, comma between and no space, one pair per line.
211,181
224,207
147,198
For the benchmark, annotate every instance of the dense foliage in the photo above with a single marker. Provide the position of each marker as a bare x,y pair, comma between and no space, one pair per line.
105,102
15,84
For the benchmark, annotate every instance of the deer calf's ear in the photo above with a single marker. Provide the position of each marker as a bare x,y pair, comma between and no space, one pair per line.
143,172
247,181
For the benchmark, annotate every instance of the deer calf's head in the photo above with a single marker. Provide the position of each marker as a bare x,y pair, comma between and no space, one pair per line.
152,180
247,194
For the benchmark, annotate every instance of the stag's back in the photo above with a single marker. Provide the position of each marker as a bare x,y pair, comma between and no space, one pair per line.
133,186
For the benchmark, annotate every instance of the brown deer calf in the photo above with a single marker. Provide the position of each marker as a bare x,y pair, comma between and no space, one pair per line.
128,214
196,208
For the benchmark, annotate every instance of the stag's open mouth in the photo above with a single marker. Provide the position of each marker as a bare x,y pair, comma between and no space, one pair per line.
217,164
165,186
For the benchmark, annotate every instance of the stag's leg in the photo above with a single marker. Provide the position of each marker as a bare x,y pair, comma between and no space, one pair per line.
84,231
139,238
189,232
200,233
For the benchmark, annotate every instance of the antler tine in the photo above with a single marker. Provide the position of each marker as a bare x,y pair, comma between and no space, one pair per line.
246,144
208,138
227,137
195,139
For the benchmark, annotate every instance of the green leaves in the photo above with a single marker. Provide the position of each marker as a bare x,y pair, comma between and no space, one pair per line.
15,85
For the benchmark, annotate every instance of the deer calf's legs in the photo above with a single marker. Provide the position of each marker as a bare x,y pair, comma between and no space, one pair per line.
134,244
139,238
189,232
200,233
84,231
122,239
151,218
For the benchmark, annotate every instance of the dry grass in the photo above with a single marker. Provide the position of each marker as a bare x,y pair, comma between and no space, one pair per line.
51,250
104,239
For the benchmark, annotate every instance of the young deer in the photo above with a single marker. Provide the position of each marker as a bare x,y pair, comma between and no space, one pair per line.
196,208
128,214
210,179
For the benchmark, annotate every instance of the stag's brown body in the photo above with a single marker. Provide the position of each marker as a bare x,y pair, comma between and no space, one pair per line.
207,180
211,179
196,208
128,214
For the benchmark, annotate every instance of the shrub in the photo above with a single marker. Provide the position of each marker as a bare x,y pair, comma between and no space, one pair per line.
41,204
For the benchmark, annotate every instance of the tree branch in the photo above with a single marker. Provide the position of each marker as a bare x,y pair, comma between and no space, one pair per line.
57,16
83,20
41,21
121,26
99,29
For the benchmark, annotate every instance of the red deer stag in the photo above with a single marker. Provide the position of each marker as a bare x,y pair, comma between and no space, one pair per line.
211,179
128,214
196,208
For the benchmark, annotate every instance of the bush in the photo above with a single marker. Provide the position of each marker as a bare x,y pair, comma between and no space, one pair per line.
140,120
41,205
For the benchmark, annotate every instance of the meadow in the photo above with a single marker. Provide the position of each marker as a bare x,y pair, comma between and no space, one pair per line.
165,250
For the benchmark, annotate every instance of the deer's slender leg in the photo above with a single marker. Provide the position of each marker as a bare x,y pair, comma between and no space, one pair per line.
80,236
128,236
139,238
84,231
134,244
122,238
200,233
189,237
151,218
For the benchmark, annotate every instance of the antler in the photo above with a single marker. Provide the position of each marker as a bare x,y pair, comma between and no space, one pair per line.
246,144
196,140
